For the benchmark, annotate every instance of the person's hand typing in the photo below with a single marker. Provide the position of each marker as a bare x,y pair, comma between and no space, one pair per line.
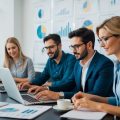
23,85
47,95
35,89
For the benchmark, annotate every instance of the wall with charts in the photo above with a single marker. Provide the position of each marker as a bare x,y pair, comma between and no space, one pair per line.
42,17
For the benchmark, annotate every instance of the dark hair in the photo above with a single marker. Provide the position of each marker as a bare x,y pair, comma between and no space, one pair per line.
55,37
84,33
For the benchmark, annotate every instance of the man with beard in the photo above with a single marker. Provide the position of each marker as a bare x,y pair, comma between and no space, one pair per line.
58,68
93,72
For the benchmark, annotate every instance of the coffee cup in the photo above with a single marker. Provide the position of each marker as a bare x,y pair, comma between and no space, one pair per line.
64,104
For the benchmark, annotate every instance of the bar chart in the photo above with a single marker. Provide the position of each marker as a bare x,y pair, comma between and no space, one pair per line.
64,30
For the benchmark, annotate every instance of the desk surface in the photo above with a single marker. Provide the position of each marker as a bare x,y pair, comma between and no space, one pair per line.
49,115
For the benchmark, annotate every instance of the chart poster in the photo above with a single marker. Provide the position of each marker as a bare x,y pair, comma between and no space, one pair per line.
89,22
42,29
83,7
63,27
43,10
109,5
62,9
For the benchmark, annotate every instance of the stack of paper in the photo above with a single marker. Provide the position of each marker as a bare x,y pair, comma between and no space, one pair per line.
21,111
85,115
3,104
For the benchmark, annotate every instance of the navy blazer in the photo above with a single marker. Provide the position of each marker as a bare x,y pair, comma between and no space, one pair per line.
99,78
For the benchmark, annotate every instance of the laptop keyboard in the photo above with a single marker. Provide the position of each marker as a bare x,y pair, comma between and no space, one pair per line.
29,98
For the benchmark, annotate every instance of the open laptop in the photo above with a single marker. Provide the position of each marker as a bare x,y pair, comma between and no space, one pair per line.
13,92
2,89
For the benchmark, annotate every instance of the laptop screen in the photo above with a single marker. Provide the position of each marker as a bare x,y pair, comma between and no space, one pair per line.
12,90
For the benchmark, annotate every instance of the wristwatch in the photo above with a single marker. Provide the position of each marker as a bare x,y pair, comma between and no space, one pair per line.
61,95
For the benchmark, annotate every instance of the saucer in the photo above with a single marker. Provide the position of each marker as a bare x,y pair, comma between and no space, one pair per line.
62,110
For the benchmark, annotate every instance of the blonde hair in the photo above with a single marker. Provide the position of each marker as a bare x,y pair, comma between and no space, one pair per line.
112,25
7,57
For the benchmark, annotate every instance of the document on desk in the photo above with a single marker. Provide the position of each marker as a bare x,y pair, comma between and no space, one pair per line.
84,115
22,112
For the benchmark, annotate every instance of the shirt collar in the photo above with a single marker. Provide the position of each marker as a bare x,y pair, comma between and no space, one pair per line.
88,62
19,62
117,64
62,58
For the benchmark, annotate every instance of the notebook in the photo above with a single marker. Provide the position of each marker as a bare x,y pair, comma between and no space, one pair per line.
84,115
13,92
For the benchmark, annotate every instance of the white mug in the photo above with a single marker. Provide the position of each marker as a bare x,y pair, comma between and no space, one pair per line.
64,103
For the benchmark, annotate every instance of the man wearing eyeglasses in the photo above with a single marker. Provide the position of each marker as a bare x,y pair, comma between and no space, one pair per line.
58,68
93,72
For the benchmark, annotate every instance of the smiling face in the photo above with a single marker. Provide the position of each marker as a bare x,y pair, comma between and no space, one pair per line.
112,44
52,49
12,50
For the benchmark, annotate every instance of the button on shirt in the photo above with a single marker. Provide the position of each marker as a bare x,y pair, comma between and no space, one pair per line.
84,71
19,70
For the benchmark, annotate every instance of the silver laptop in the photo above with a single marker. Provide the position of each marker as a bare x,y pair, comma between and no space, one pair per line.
13,92
2,89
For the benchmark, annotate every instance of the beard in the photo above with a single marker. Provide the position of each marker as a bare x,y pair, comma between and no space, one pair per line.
83,54
55,54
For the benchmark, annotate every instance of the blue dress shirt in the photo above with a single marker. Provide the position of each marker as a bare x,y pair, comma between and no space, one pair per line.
57,73
116,85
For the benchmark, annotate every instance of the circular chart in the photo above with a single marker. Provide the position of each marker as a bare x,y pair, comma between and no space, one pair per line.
88,24
40,13
41,31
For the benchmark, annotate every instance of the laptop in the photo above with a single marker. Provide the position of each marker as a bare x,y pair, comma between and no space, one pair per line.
2,89
14,93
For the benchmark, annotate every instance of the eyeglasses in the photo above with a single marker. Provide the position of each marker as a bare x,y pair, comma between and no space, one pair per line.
106,38
75,47
49,47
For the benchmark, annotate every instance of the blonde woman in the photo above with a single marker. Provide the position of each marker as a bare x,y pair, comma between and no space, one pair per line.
21,67
109,38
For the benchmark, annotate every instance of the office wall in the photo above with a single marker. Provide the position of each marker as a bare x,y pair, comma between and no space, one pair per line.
29,34
10,22
28,27
6,23
22,18
42,17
